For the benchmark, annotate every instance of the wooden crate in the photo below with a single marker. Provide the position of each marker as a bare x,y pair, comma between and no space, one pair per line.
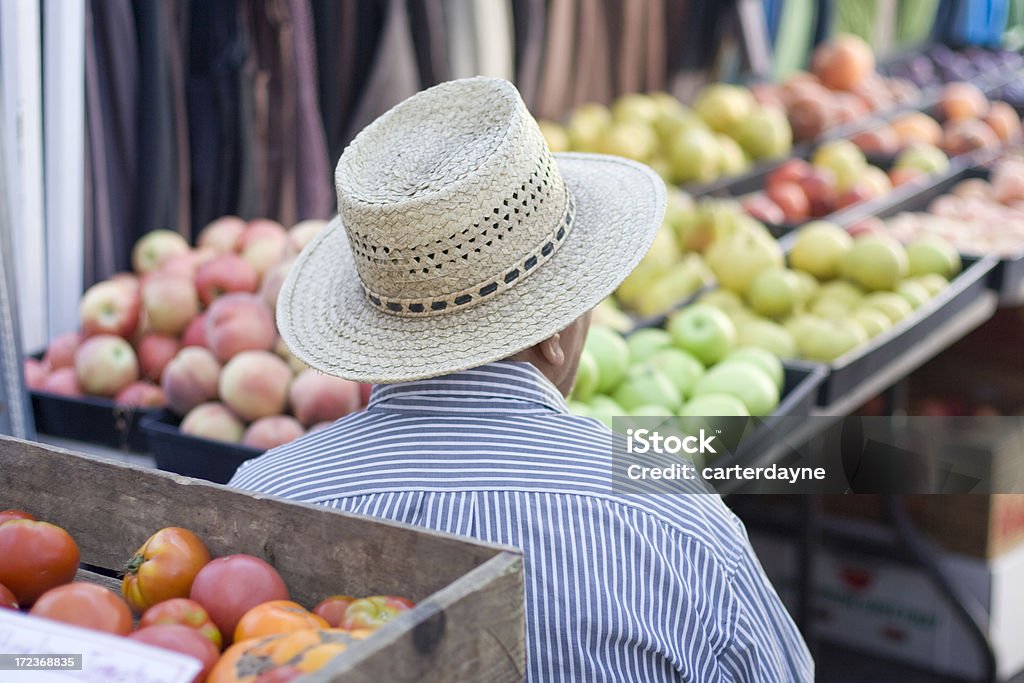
468,623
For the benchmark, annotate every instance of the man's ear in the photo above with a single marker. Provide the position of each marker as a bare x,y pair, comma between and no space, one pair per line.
551,349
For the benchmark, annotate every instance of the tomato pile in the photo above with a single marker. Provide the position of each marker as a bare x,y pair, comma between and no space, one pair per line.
187,602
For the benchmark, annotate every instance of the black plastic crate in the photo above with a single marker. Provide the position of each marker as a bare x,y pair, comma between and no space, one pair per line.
91,419
193,456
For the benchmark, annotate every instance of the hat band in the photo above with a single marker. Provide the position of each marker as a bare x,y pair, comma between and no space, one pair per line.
470,296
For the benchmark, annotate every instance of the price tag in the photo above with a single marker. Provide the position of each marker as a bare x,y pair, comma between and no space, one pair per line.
36,650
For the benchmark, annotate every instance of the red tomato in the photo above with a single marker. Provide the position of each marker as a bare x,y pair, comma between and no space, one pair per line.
8,515
35,557
184,612
332,609
86,605
281,674
230,586
7,599
181,639
374,612
163,568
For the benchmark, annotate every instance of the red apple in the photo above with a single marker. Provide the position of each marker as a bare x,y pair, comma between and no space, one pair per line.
881,140
63,381
902,176
820,188
224,274
856,194
239,322
190,379
155,351
61,353
156,247
763,209
105,364
868,225
195,332
224,234
36,373
316,397
792,200
142,395
109,307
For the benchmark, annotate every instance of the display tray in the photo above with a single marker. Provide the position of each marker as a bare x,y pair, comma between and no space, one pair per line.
848,372
800,389
192,456
1007,278
468,622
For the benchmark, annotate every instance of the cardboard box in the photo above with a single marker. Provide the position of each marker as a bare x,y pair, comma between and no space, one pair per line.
891,609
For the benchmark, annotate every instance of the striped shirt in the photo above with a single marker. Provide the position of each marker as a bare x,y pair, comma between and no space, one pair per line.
619,587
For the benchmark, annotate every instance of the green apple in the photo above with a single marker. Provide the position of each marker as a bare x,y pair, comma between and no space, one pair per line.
722,299
644,342
831,308
637,108
763,359
933,283
806,288
629,139
844,159
611,354
607,314
744,380
872,320
714,405
587,125
765,133
731,159
713,219
682,368
555,135
932,255
768,335
914,292
875,262
846,294
923,157
723,107
604,408
826,340
645,384
703,331
674,287
695,156
773,292
578,408
736,260
651,410
819,248
894,306
586,377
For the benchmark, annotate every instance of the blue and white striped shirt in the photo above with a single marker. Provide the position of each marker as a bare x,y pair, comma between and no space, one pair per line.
619,587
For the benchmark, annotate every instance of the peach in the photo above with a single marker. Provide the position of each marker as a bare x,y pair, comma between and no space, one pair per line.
810,117
270,432
255,384
155,351
282,350
1004,121
142,395
916,126
318,426
881,140
156,247
191,378
213,421
843,63
63,382
302,233
962,101
239,322
170,303
222,235
968,135
61,353
263,244
105,364
316,397
35,373
224,274
272,281
195,333
109,307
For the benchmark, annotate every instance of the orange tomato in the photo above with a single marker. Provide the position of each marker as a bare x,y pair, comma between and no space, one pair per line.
163,568
276,616
308,651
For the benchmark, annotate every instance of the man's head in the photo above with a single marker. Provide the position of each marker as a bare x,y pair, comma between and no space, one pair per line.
558,356
462,240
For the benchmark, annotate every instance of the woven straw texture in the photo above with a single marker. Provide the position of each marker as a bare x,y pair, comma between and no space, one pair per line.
461,239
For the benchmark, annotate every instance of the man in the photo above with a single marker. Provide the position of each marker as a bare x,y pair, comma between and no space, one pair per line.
460,275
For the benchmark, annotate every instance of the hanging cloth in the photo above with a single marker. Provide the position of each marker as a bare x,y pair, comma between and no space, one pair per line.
553,99
494,41
593,82
528,17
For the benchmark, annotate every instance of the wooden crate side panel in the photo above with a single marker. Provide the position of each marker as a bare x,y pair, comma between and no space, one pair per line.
110,509
473,630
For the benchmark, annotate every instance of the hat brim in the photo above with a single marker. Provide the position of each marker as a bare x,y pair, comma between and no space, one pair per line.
326,320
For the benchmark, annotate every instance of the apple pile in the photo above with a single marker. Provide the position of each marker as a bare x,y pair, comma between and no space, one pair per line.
724,131
193,329
695,367
979,217
970,122
837,176
836,292
841,87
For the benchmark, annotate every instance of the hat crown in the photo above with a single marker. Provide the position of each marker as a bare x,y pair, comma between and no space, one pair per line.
450,197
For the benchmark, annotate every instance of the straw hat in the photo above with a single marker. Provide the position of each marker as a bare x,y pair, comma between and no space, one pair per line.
461,239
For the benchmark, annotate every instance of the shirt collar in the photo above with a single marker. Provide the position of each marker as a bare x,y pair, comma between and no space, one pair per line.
502,380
